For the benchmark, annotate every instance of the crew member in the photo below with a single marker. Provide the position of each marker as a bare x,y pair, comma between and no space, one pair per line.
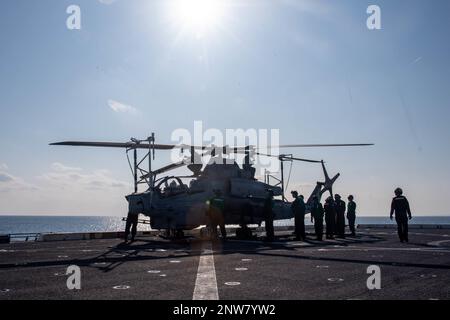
400,206
299,210
268,216
351,214
317,217
330,217
216,214
339,206
132,222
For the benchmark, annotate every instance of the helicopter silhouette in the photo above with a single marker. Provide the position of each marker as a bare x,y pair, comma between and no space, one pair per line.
174,206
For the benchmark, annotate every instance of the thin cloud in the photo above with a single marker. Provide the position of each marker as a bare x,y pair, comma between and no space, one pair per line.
417,60
119,107
8,182
62,168
62,177
4,177
63,189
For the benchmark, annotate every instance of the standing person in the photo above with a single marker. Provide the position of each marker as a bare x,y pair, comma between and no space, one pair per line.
351,214
330,216
400,206
268,216
340,216
216,208
317,217
132,222
299,209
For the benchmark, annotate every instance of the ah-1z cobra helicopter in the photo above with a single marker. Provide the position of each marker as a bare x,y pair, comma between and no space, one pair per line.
174,206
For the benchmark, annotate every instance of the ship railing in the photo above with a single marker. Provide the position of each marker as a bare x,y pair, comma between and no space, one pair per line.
24,237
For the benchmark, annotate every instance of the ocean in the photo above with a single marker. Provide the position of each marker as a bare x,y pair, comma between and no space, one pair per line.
56,224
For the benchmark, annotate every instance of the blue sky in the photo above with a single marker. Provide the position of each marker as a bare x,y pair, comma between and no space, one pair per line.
309,68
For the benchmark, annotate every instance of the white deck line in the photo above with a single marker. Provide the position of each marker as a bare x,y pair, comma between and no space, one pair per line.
206,282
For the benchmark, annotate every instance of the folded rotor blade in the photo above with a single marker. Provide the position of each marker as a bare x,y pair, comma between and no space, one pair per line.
287,158
305,160
165,169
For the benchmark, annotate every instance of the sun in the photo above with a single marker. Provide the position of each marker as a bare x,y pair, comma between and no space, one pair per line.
197,16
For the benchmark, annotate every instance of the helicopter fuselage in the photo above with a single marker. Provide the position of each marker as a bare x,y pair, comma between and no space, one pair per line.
177,206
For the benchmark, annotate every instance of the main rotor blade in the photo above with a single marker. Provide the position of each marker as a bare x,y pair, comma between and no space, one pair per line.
165,169
305,160
320,145
113,145
287,158
228,149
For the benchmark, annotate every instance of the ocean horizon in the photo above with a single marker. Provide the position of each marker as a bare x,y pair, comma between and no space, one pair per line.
11,224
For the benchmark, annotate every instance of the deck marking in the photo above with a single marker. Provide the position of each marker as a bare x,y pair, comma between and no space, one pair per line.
335,279
437,243
121,287
206,282
241,269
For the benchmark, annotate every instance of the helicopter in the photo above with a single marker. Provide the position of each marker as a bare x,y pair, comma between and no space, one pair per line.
174,205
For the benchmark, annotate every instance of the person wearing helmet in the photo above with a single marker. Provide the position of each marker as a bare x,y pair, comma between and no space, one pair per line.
317,217
330,217
400,207
340,216
351,214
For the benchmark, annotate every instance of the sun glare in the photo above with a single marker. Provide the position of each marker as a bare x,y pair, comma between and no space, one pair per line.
197,16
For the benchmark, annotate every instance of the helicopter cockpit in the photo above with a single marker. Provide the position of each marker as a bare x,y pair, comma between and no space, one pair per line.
170,186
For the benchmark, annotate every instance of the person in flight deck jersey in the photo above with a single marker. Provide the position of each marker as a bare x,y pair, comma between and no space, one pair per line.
132,222
216,214
340,216
317,217
299,210
400,206
268,216
330,216
351,214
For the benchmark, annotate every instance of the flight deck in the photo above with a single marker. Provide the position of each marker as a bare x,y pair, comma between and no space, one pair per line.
155,268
